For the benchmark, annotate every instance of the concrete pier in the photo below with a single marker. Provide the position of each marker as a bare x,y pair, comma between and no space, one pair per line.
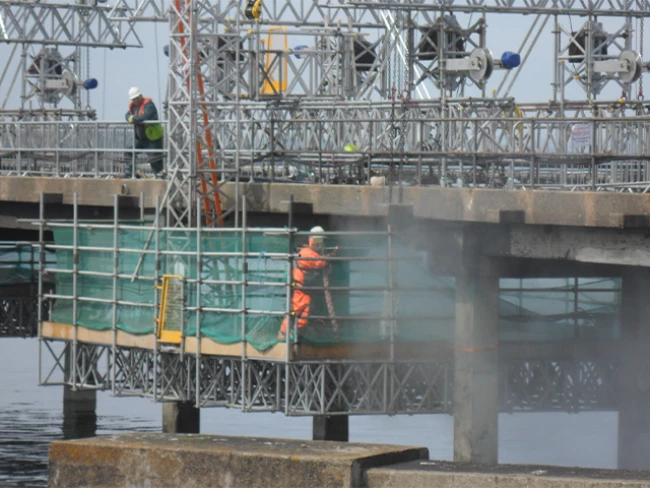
79,413
181,418
634,373
476,359
331,428
440,474
159,460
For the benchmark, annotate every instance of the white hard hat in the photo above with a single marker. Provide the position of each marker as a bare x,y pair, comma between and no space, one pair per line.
316,238
134,92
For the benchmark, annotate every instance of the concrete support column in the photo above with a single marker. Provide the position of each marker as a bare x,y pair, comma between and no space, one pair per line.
331,428
79,413
181,418
634,373
476,359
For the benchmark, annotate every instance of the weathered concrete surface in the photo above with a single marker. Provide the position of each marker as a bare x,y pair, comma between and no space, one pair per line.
331,428
79,413
160,460
440,474
91,191
181,418
600,246
633,376
541,207
476,356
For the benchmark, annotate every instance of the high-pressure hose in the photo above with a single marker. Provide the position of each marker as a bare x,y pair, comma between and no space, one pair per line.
329,301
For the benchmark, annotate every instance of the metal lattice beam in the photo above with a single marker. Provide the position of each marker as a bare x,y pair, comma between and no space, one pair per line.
65,24
614,8
333,388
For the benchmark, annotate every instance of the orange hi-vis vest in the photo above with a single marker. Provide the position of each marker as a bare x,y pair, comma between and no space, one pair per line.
141,107
153,132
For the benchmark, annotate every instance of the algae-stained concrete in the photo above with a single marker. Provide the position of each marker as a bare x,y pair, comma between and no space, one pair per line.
537,207
440,474
194,460
90,191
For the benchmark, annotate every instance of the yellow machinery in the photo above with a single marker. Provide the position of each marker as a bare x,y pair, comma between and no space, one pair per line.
275,65
171,313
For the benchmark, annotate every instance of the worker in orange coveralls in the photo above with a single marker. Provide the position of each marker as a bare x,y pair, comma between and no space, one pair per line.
304,271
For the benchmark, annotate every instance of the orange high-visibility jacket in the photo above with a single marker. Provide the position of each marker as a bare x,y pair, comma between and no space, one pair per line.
304,266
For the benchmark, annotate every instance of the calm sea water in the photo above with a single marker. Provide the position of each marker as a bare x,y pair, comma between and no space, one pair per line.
31,418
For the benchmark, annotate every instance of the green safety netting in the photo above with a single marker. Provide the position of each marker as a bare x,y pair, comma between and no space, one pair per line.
421,306
19,263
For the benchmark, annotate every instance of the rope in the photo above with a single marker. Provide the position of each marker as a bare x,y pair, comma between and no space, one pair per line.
641,53
402,147
155,33
391,162
104,91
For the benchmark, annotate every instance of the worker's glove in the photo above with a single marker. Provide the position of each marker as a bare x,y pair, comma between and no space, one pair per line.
130,119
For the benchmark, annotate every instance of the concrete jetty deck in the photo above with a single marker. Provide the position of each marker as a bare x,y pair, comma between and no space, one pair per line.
441,474
193,460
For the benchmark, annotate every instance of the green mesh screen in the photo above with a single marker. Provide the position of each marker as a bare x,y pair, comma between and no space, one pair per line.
19,263
420,308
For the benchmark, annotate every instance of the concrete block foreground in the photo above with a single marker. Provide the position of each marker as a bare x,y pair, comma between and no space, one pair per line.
194,460
440,474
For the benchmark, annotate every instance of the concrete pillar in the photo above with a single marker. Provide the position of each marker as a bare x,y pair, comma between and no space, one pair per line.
634,373
181,418
476,359
331,428
79,413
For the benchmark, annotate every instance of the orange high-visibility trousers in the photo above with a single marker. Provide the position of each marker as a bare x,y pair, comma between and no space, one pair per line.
300,305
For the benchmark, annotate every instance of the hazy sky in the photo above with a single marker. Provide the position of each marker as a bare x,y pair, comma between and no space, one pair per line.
118,70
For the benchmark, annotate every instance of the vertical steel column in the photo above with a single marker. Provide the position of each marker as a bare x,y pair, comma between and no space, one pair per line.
391,289
244,269
289,323
75,277
199,284
41,270
157,218
115,277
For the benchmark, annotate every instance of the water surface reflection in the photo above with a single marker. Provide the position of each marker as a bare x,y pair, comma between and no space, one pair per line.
31,417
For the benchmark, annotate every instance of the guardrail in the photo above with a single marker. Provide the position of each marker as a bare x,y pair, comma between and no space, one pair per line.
65,149
407,148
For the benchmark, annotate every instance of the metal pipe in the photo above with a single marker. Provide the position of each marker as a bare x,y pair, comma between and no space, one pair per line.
115,273
75,297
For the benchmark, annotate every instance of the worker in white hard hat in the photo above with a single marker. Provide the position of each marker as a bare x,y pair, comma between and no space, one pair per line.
146,135
304,274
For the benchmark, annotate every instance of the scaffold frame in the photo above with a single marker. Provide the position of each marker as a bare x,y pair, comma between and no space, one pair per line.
287,382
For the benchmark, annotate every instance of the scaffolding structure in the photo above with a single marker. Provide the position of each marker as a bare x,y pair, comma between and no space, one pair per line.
330,92
225,308
333,92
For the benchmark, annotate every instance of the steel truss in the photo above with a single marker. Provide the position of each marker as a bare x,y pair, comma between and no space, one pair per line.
19,316
50,55
610,8
65,24
595,148
309,388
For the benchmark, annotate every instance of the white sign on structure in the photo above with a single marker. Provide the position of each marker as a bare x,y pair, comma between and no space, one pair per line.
581,136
